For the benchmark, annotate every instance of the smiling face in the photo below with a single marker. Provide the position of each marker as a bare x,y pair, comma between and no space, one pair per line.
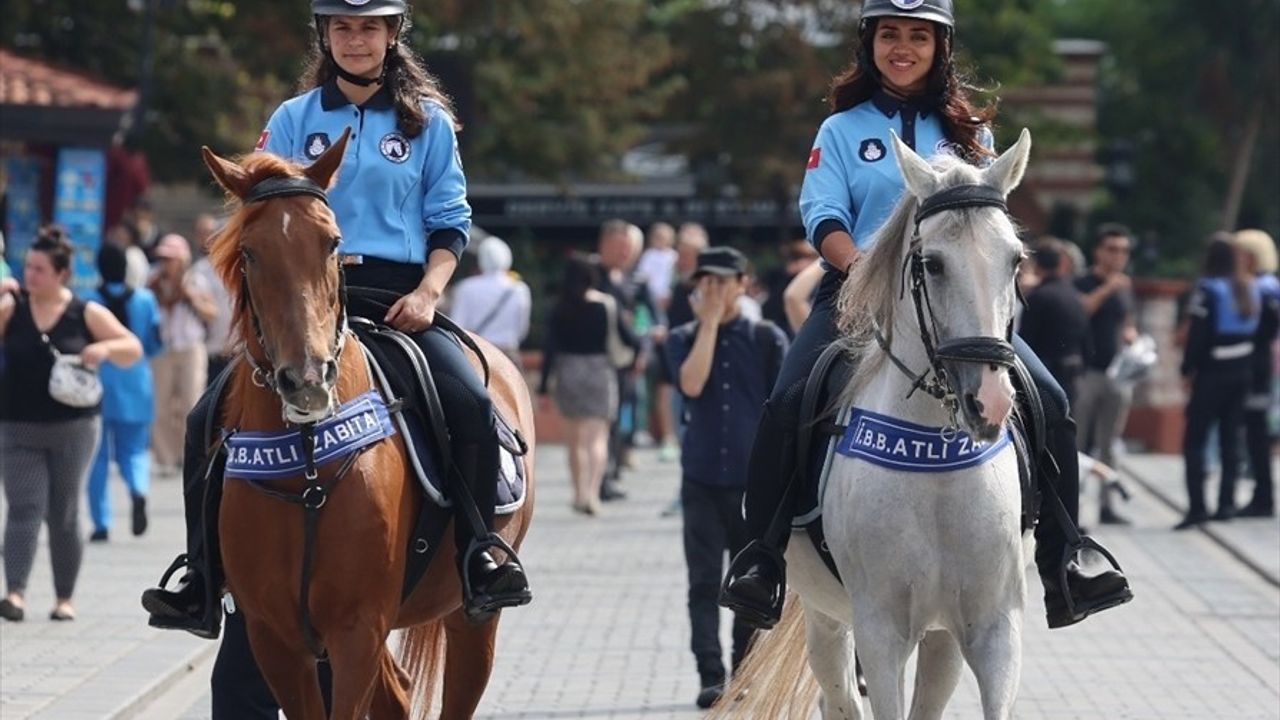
903,50
359,44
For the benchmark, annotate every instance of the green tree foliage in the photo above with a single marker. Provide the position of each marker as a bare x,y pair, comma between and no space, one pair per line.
1181,84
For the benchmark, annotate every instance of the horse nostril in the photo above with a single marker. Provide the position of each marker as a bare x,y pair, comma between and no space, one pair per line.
330,371
287,380
973,404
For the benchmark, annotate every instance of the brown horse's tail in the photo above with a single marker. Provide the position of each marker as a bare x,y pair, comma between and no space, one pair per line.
774,682
421,654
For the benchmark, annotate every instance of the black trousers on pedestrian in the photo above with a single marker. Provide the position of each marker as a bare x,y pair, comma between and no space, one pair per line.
1215,397
771,461
1258,442
713,525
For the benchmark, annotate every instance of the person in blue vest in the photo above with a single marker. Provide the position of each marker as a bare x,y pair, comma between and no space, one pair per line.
1224,311
126,397
400,201
903,79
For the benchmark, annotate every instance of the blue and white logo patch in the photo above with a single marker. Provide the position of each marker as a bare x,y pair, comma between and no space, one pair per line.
871,150
359,422
899,445
316,144
394,147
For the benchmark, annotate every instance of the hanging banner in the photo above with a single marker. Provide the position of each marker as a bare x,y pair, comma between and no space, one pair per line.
78,206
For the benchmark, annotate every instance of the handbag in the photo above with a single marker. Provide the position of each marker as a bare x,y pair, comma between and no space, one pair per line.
71,382
620,354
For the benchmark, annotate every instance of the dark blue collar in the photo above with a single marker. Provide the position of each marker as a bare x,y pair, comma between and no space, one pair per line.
891,106
900,445
331,98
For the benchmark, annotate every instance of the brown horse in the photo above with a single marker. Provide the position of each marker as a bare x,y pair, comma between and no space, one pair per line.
281,251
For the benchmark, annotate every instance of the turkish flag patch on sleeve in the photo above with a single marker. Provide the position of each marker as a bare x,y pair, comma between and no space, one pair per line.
815,158
262,140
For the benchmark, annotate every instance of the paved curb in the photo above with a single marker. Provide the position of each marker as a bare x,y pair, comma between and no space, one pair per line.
139,703
1207,528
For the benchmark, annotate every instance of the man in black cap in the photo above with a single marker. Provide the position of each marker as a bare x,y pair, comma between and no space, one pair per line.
724,365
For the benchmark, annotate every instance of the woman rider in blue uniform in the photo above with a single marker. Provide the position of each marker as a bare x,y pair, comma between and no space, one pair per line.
903,79
400,201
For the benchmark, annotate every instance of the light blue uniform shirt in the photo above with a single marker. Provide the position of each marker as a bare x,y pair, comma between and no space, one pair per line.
396,198
127,391
852,182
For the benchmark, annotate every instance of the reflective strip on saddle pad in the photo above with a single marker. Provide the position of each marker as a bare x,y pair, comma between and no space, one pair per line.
900,445
359,422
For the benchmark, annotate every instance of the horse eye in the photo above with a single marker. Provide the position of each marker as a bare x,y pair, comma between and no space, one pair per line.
248,256
334,244
933,266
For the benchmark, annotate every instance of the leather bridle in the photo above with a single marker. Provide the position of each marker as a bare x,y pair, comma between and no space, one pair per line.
991,350
277,187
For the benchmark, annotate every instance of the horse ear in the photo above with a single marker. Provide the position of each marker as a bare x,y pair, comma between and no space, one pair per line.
322,170
919,177
229,175
1006,172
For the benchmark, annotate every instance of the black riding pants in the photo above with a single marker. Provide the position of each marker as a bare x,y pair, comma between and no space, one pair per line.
771,462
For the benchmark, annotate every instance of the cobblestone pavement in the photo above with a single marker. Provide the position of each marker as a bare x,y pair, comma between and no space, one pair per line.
607,634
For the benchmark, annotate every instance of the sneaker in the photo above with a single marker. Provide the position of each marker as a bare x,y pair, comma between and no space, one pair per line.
711,692
1257,510
139,515
1110,517
669,453
1192,520
99,535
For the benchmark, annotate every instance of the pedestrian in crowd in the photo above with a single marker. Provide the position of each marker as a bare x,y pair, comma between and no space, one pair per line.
726,365
219,342
1054,323
797,255
658,266
1259,256
137,266
691,239
404,221
495,304
1224,312
45,445
576,366
618,248
179,371
142,217
903,80
1102,403
127,397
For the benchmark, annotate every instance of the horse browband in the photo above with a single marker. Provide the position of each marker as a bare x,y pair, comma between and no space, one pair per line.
959,197
284,186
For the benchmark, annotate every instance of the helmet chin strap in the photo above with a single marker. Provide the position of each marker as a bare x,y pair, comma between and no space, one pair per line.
351,77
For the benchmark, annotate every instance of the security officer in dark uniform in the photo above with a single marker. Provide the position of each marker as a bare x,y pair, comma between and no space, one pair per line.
1224,312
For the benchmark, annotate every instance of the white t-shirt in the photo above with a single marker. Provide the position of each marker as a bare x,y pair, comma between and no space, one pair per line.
495,307
658,267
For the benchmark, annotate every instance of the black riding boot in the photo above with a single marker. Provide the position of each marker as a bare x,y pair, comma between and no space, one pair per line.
756,583
1071,594
193,606
487,586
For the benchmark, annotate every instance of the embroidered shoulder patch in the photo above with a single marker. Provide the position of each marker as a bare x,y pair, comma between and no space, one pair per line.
899,445
359,422
262,140
871,150
815,158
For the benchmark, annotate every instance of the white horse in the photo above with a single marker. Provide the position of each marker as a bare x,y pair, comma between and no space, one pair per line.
934,562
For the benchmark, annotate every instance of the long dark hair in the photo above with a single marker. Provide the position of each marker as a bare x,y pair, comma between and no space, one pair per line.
112,265
1221,261
946,87
403,73
581,273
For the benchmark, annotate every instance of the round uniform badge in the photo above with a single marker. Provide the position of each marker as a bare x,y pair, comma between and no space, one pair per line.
316,144
871,150
394,147
900,4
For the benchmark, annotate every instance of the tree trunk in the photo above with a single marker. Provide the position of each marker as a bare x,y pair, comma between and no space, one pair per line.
1240,168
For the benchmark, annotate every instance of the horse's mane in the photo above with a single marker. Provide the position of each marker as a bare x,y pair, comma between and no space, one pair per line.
870,295
224,248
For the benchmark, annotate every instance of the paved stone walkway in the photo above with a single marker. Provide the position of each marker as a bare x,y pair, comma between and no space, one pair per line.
607,634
